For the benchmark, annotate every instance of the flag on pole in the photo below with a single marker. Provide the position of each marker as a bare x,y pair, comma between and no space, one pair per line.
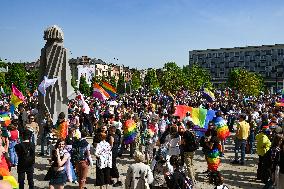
86,108
16,98
208,95
45,84
109,89
100,93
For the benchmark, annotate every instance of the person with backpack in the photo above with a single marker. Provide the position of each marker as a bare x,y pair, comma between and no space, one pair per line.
177,179
26,161
189,146
139,175
81,151
218,181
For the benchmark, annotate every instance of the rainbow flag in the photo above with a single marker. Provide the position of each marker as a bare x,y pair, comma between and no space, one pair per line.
129,132
109,89
213,160
221,128
200,116
4,117
279,104
100,93
16,98
208,95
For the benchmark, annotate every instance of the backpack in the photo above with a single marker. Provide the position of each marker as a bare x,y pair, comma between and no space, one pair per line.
78,152
27,156
187,183
191,142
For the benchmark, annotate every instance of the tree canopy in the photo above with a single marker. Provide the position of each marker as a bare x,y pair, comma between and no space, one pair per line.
247,83
84,87
151,82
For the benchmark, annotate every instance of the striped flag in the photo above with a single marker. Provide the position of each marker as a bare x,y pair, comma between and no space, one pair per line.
208,95
100,93
109,89
16,98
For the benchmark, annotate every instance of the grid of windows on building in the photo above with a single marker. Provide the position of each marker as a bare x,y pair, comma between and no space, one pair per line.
267,60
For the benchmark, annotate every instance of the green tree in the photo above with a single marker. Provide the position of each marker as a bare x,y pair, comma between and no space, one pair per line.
121,84
112,81
196,78
74,83
135,80
247,83
84,87
151,82
17,74
172,78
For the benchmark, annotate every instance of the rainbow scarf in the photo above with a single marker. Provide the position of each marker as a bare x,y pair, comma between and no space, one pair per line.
109,89
62,130
221,128
213,160
129,132
5,118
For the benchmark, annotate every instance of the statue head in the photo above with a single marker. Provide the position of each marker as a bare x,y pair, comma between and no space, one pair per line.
53,33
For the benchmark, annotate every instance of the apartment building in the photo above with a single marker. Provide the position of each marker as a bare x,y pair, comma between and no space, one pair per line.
267,60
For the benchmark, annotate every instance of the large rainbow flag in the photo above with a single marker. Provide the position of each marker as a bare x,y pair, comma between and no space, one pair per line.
130,131
16,98
109,89
200,116
100,93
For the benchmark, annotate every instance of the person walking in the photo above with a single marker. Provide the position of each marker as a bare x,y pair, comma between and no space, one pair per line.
262,147
103,154
114,141
13,141
34,128
189,146
26,155
47,130
242,134
59,159
82,147
139,175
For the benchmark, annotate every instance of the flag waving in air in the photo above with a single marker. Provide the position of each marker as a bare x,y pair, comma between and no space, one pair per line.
16,98
109,89
100,93
85,106
45,84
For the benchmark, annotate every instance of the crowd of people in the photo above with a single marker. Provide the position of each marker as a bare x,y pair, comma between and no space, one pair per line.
162,143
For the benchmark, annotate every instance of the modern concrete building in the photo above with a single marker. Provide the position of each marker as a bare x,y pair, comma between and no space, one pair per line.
267,60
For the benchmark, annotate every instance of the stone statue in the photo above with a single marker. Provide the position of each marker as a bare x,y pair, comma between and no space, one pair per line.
54,64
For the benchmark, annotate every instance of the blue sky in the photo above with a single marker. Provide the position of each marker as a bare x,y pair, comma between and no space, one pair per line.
139,33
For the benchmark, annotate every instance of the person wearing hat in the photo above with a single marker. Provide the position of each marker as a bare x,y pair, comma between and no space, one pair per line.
262,146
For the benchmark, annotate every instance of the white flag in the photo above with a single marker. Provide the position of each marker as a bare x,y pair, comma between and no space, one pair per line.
45,84
86,108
